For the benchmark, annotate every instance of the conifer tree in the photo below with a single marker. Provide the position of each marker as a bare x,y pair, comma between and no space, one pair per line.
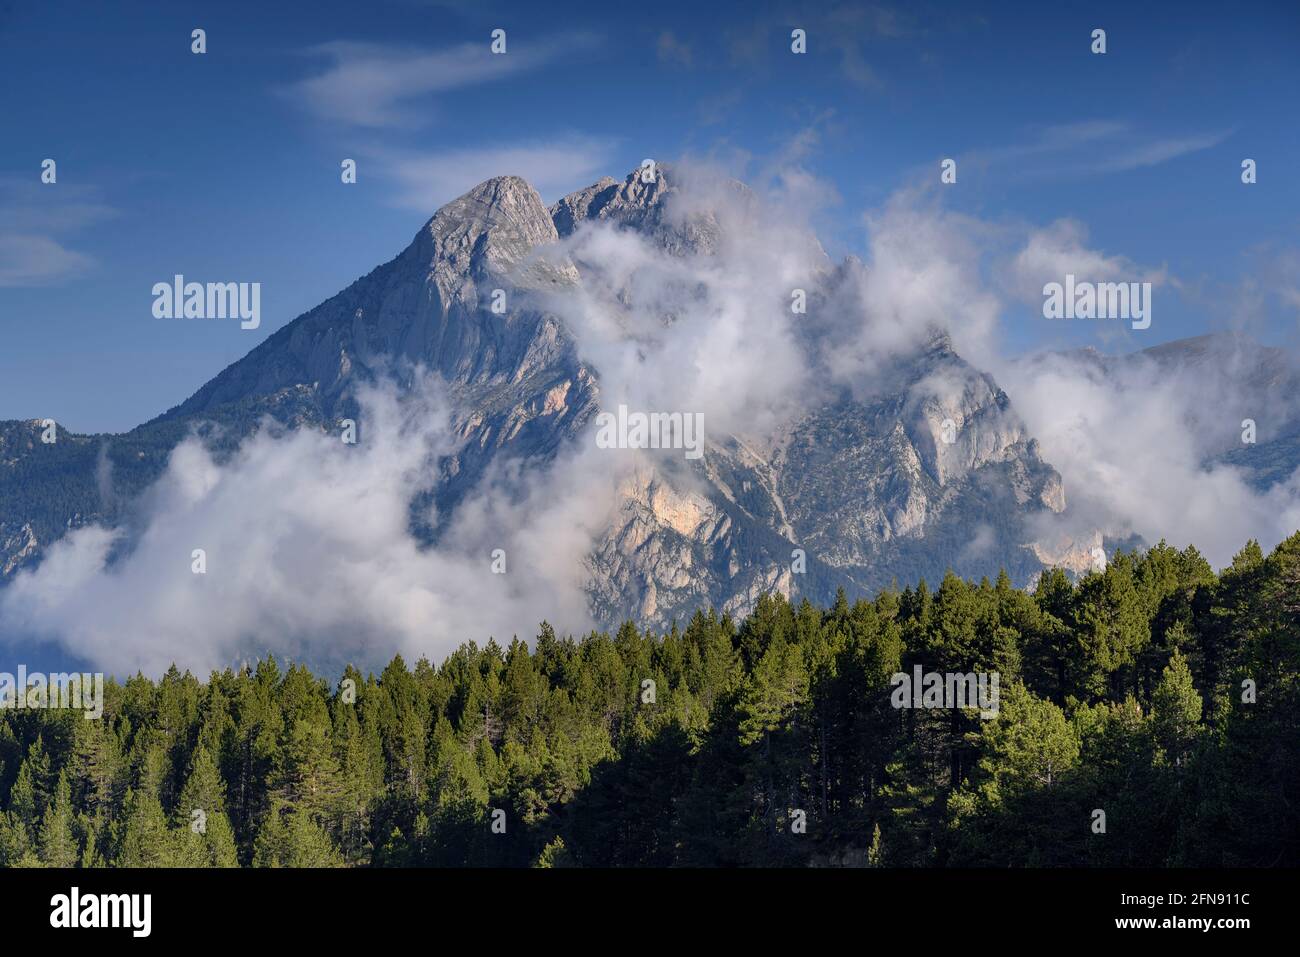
58,843
200,817
1176,711
145,840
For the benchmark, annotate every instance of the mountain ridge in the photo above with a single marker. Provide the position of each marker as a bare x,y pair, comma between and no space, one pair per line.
869,489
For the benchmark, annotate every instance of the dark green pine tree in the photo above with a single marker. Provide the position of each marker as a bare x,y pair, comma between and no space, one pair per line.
145,841
1176,712
207,838
58,842
291,838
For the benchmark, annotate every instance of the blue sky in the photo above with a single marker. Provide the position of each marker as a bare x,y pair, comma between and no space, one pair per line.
225,166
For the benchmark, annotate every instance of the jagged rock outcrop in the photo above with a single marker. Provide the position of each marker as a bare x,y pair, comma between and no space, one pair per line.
17,548
865,491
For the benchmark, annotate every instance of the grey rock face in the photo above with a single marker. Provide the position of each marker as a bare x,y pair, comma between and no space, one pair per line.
649,209
864,492
868,493
430,305
513,376
17,548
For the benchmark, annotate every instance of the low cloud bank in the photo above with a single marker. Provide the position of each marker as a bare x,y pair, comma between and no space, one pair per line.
308,551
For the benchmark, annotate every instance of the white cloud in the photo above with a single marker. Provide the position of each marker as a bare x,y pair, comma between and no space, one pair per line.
1058,250
28,260
1132,447
36,223
427,181
307,547
1157,151
923,272
712,333
376,85
1109,146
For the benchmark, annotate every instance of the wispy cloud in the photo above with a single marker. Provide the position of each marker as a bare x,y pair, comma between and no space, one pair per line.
27,260
1155,152
674,51
1050,139
1061,249
554,167
37,221
1251,303
713,110
845,29
379,85
1110,146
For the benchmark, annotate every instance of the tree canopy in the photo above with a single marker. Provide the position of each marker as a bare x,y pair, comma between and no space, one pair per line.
1155,691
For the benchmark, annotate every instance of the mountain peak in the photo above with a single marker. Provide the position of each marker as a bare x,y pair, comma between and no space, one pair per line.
488,231
497,195
627,202
503,202
686,228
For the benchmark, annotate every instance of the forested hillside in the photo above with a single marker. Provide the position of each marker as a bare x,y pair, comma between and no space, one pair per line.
1129,692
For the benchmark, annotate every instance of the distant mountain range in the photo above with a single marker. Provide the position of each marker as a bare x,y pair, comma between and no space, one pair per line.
902,483
1238,379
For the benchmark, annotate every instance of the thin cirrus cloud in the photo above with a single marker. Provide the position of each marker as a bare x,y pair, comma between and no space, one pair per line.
389,88
1114,147
847,30
27,260
378,85
37,229
1155,152
554,167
